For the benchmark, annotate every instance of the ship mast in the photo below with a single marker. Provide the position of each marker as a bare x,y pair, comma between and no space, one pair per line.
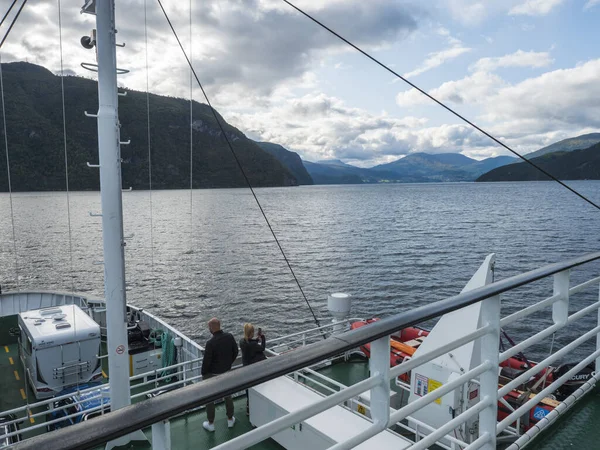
112,208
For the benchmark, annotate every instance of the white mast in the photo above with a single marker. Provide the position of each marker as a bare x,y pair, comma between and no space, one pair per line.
112,210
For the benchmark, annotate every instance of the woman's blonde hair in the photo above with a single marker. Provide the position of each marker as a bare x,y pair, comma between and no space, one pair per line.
248,331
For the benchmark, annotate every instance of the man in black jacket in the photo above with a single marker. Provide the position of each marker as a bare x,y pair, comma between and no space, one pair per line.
219,354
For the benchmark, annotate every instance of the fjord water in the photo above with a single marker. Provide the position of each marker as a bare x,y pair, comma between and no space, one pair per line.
393,247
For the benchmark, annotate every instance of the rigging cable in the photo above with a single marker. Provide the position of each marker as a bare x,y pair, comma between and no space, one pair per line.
376,61
12,215
62,87
62,91
8,12
149,152
191,143
216,117
12,23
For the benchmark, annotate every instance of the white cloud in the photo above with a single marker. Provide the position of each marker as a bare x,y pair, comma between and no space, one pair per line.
256,43
564,99
444,32
517,59
320,126
473,89
552,101
436,59
591,3
468,12
526,115
535,7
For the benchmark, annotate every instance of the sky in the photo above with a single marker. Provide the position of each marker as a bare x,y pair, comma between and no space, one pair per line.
527,71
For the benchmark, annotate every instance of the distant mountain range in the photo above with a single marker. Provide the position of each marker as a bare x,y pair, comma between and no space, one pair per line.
566,162
443,166
334,171
35,140
413,168
564,165
567,145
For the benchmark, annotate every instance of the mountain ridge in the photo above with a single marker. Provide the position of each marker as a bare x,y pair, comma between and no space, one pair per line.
290,161
565,165
36,145
567,145
414,168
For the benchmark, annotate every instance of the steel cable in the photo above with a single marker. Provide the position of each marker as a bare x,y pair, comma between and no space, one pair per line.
375,60
216,117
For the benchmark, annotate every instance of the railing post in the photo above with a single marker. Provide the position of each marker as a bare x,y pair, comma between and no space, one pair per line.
161,435
379,364
597,339
488,417
560,309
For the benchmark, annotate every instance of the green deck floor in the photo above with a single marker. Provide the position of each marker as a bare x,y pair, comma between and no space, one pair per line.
187,431
11,378
13,388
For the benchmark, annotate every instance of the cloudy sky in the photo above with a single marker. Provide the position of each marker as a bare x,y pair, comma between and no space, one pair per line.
526,70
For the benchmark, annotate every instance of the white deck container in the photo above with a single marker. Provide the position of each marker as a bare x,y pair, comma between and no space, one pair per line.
278,397
59,347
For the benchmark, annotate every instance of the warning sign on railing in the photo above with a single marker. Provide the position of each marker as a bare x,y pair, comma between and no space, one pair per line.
433,385
424,385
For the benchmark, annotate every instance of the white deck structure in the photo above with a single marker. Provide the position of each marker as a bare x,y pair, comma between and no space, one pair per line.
276,398
59,348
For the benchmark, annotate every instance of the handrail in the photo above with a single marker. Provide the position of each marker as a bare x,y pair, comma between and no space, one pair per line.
140,415
310,330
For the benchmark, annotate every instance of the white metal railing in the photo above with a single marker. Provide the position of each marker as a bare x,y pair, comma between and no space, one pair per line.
156,379
551,388
489,391
260,434
304,376
560,307
380,378
418,424
12,303
24,413
546,362
483,373
311,335
554,414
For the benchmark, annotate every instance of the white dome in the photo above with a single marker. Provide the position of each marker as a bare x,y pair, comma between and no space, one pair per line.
339,305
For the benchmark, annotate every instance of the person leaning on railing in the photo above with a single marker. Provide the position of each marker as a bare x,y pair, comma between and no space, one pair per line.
252,351
219,354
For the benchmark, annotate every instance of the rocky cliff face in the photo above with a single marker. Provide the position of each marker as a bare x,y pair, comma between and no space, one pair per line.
290,160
